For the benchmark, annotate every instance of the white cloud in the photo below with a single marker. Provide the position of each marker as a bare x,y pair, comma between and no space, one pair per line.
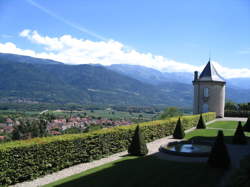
232,73
71,50
25,33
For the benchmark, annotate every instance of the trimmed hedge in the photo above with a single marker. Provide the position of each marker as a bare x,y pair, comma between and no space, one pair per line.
179,131
29,159
239,136
247,125
236,113
201,123
138,145
219,156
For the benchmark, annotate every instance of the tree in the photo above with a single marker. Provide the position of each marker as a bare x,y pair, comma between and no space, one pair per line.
140,117
171,112
219,156
247,125
201,123
72,130
231,106
239,136
179,131
30,129
138,145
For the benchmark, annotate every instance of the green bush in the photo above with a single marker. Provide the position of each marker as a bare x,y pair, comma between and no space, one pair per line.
179,131
28,159
201,124
219,157
247,125
237,113
138,145
239,136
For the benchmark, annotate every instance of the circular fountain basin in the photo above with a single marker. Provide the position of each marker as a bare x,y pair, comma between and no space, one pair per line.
187,149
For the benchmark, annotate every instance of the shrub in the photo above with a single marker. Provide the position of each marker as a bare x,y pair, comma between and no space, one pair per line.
179,131
138,145
219,157
201,124
239,136
28,159
247,125
171,112
237,113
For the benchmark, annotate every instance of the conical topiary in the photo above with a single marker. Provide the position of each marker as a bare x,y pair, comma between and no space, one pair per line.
239,136
219,157
247,125
201,123
179,131
138,145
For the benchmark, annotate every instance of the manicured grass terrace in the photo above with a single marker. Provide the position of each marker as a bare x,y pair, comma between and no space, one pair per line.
208,134
150,171
224,124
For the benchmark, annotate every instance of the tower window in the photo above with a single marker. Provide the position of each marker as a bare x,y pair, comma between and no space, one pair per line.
205,108
205,92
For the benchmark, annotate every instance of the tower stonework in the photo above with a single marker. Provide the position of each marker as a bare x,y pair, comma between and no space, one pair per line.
209,91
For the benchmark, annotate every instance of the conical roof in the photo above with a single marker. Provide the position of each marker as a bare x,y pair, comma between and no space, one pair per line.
210,74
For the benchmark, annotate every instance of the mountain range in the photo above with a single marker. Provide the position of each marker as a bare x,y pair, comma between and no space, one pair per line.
28,79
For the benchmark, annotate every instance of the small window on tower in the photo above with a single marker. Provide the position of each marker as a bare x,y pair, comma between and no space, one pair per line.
205,92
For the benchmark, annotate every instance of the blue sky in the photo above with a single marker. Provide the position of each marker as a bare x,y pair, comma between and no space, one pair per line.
181,31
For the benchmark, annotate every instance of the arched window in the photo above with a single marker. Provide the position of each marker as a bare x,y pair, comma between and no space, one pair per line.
205,108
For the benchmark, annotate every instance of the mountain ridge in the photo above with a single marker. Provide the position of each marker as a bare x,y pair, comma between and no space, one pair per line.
28,79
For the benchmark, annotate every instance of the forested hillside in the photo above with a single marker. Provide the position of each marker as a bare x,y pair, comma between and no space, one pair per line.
21,81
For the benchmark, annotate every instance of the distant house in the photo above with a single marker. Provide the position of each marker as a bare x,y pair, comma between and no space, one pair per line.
8,129
9,122
209,91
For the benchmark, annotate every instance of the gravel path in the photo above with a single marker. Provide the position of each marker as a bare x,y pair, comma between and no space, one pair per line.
153,148
232,119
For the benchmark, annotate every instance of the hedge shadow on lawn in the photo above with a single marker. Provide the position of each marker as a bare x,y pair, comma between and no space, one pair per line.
149,171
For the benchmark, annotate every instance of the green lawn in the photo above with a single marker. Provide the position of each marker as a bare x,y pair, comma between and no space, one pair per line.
224,125
147,171
210,134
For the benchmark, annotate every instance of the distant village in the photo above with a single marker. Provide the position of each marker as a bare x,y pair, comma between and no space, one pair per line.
57,126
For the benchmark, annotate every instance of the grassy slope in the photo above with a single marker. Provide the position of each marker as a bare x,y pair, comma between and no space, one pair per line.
146,171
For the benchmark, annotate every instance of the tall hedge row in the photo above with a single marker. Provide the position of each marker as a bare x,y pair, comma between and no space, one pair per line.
237,113
29,159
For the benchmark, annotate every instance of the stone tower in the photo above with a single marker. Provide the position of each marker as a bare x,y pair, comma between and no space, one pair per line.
209,91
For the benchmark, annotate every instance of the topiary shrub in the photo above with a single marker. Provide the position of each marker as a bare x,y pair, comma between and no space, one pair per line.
179,131
247,125
219,157
138,145
201,123
239,136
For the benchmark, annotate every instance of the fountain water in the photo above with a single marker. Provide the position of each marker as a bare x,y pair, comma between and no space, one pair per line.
187,149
